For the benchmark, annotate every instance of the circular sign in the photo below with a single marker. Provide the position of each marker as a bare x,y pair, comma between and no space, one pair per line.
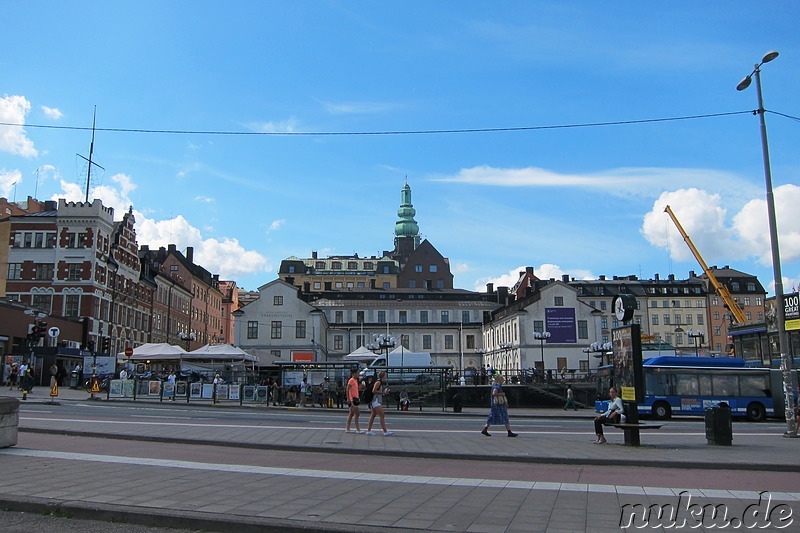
54,332
128,351
624,306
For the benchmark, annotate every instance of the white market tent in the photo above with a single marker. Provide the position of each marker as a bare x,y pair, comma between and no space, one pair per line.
219,352
360,354
160,351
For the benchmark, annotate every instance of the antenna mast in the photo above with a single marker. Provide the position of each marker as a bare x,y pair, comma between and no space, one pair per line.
91,152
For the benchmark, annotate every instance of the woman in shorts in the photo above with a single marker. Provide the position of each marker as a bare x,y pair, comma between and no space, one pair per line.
379,389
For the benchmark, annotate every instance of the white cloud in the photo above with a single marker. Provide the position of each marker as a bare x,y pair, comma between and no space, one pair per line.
8,178
545,271
52,112
460,268
282,126
358,108
204,199
276,224
620,181
12,138
704,219
226,257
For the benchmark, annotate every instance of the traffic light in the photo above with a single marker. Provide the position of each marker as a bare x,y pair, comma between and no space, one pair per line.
42,329
107,345
33,338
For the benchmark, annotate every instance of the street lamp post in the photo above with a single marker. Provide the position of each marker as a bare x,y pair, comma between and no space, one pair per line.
541,336
188,337
786,362
696,336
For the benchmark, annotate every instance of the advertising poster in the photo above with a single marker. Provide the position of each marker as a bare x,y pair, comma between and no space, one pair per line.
222,392
153,388
104,366
208,390
115,388
127,388
169,389
180,389
261,394
233,392
627,360
316,377
292,378
249,392
196,390
560,323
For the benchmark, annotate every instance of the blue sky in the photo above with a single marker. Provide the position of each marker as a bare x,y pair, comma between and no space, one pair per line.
583,201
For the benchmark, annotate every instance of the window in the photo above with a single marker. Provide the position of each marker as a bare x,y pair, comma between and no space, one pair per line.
72,303
688,320
277,300
404,341
386,270
42,301
448,342
603,305
360,317
381,317
464,317
759,301
300,329
717,330
440,284
426,342
615,322
38,241
698,303
173,268
559,301
746,300
70,240
360,340
679,338
538,326
677,320
276,354
653,303
352,265
338,317
387,285
368,265
412,284
44,271
291,269
28,240
417,268
276,329
50,240
15,271
317,285
338,342
583,329
81,240
73,271
604,323
349,284
666,320
655,320
403,317
433,268
423,317
445,317
748,315
338,284
734,286
470,342
336,265
320,265
665,304
699,320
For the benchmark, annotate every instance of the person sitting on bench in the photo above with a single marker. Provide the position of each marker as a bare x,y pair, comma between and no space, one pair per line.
615,414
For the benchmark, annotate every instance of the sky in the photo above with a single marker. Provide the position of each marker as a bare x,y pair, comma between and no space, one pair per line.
300,122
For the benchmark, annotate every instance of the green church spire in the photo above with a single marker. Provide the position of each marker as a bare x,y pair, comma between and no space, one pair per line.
406,226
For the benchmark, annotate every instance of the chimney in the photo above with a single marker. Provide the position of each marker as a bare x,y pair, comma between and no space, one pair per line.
172,247
489,288
565,278
50,205
529,270
655,277
313,255
671,277
502,295
603,277
190,254
692,274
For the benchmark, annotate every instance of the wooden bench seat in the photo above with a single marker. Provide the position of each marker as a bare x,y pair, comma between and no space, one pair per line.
637,426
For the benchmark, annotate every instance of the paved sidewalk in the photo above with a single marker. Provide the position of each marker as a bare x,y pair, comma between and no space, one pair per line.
542,481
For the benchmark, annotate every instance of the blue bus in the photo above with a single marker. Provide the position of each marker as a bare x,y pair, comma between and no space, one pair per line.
688,385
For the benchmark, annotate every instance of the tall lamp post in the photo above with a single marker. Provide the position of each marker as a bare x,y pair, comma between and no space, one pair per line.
188,338
541,336
786,362
696,336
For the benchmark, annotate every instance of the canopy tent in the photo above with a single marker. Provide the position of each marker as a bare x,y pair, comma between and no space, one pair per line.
154,351
219,352
360,354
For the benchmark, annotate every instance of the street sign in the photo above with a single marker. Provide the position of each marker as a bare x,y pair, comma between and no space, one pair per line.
128,351
54,332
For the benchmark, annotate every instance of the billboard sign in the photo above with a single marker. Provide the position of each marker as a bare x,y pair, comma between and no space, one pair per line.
560,323
627,359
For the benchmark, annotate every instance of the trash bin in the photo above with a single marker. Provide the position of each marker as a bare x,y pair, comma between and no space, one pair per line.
719,428
457,403
73,380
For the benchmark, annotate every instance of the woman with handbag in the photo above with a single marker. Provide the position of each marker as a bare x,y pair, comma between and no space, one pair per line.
499,408
353,401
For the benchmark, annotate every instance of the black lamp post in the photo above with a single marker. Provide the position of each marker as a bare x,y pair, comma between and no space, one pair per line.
695,335
541,336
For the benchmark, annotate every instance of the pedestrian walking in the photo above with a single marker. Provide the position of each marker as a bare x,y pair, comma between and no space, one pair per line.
570,399
353,401
379,389
13,377
340,399
275,393
498,413
613,415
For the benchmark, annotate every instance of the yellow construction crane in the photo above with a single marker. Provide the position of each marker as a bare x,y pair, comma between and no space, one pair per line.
732,304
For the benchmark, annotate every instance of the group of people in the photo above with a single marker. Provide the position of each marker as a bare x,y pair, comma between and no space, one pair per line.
373,392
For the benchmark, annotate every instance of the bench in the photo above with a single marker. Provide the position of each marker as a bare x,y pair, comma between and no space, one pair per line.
632,431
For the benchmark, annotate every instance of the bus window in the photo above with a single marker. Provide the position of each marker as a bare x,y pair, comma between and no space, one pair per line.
705,385
657,383
685,384
725,385
754,386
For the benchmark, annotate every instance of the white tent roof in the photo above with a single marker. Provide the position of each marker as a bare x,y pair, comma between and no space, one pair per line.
155,352
359,354
219,352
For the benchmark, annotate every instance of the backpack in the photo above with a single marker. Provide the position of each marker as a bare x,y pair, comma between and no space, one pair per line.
367,396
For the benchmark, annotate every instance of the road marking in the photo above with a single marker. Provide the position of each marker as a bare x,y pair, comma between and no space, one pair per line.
391,478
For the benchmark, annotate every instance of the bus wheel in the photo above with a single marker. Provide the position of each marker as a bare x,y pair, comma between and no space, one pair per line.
756,412
662,411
